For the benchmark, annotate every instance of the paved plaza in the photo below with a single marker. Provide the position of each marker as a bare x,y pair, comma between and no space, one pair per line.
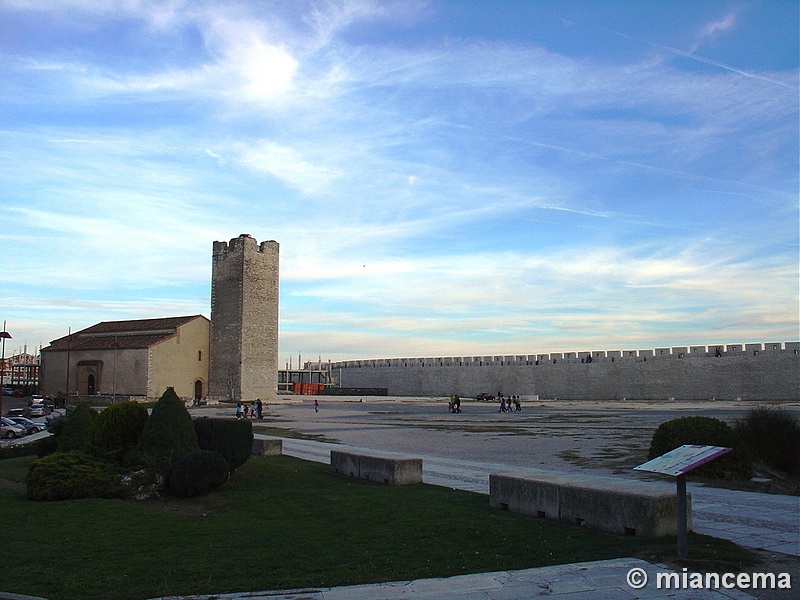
600,439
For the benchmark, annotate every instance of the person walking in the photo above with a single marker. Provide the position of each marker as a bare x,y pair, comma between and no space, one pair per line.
316,405
238,410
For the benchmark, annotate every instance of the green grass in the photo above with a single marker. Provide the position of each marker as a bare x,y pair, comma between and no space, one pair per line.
283,523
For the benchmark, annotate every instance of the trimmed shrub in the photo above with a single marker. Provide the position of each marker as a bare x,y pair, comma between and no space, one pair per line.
36,448
168,435
46,446
197,473
55,423
118,428
233,439
773,436
705,431
75,433
70,475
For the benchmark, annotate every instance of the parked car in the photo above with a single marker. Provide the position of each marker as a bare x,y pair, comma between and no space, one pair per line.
484,396
16,412
10,430
39,410
8,391
30,426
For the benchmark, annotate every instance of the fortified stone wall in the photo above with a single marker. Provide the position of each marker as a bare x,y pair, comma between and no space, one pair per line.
244,320
764,371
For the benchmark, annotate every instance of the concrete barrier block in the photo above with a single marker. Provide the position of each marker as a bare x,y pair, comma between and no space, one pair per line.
267,447
614,506
520,494
345,463
377,468
627,509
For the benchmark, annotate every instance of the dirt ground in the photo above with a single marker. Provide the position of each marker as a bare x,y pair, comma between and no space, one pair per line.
609,437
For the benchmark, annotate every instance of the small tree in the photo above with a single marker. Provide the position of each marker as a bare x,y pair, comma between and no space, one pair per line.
168,435
118,428
75,435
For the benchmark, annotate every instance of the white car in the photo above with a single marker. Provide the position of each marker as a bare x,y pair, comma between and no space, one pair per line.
10,430
39,410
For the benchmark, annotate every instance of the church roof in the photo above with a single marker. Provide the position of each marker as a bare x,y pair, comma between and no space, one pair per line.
121,335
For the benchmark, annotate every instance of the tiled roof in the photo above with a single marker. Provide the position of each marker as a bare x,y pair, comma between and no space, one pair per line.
122,335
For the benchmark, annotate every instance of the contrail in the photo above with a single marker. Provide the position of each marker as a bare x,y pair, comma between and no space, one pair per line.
699,58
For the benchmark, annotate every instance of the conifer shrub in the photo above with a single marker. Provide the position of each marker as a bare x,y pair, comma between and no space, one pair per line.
46,445
118,428
705,431
233,439
55,423
75,432
773,436
168,435
198,472
71,475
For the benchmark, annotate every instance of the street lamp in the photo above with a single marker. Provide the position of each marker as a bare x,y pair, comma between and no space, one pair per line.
4,335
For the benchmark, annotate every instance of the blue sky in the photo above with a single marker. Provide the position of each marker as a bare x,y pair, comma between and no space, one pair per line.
444,178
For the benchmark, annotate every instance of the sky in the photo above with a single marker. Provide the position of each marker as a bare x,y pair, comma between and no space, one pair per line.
444,178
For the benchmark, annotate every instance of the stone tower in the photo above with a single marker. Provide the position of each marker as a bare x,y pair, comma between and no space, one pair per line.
244,320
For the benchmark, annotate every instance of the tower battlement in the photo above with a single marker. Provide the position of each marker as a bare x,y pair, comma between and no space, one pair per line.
244,243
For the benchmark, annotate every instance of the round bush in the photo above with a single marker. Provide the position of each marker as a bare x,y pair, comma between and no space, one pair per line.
168,435
231,438
70,475
705,431
75,433
118,428
197,473
773,436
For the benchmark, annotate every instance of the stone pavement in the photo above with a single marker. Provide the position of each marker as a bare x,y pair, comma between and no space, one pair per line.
755,520
606,579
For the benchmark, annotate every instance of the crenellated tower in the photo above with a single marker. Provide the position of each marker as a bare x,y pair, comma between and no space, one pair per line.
244,320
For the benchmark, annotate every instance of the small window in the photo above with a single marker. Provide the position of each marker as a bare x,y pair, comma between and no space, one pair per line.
199,355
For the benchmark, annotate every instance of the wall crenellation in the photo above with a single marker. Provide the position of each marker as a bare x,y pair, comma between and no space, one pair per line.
677,352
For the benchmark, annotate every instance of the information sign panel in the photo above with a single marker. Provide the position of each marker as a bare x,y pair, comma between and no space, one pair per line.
682,460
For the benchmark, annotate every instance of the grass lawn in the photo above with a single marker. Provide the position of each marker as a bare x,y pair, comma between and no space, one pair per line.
283,523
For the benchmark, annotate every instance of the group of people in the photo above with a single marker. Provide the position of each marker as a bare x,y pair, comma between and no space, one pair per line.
249,411
455,404
509,404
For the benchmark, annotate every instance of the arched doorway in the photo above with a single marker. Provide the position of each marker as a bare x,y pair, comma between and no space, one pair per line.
198,389
90,385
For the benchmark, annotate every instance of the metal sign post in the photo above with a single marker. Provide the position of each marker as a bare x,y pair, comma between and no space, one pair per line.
677,463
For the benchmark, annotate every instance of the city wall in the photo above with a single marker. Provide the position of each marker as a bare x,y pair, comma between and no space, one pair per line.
759,371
